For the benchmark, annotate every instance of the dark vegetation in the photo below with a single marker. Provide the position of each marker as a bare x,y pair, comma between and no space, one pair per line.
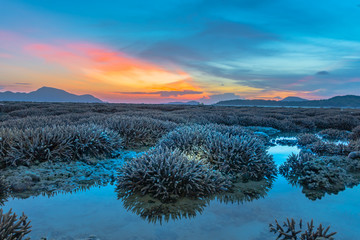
289,230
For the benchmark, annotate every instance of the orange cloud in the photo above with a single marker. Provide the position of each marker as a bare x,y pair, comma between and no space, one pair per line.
111,68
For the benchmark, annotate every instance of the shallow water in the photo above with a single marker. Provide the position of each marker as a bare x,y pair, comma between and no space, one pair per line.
98,212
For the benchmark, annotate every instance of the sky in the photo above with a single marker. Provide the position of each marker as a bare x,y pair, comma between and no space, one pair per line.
180,50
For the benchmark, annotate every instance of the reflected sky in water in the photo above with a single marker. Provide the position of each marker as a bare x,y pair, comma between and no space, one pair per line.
98,212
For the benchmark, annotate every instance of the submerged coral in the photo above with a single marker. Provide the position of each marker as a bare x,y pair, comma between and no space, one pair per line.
290,231
168,175
49,178
12,227
242,192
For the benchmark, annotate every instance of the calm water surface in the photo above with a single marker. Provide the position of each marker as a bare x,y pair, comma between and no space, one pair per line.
98,212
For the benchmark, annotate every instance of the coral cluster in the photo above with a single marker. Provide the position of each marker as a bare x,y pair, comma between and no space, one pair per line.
323,147
290,231
197,161
12,227
285,119
169,174
320,175
355,134
25,147
305,139
139,131
236,151
334,134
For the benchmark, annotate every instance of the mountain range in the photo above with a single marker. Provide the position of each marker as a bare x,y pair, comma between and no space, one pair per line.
350,101
48,94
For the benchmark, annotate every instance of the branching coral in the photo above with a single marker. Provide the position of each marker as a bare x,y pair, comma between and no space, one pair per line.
12,227
355,133
236,152
244,156
290,231
319,175
307,138
24,147
167,175
334,134
139,131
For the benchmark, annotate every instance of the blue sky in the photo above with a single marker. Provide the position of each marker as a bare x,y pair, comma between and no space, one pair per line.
205,49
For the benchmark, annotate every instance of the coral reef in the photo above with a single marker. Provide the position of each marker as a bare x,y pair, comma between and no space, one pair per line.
290,231
168,175
355,133
50,178
305,139
230,150
139,131
12,227
285,119
334,134
56,143
242,156
320,175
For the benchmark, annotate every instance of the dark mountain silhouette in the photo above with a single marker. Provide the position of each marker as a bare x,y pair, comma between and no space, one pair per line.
293,99
184,103
351,101
47,94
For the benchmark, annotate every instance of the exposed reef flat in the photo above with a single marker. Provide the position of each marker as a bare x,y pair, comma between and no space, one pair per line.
53,177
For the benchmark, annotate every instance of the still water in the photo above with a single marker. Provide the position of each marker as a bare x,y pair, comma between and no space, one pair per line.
98,212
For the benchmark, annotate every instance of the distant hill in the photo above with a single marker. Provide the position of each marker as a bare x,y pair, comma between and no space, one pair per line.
294,99
351,101
184,103
47,94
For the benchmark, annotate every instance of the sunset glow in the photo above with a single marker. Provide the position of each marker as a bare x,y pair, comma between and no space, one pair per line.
119,58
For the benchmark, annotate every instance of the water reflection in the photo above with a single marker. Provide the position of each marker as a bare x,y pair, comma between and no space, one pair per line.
155,211
234,215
